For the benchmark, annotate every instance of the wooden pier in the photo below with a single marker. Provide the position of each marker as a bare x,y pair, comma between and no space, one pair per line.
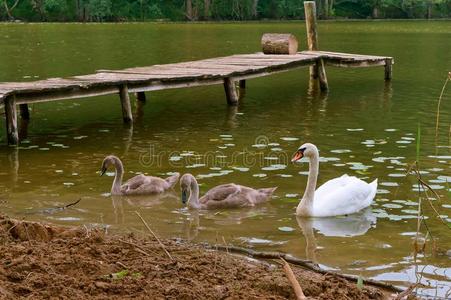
229,71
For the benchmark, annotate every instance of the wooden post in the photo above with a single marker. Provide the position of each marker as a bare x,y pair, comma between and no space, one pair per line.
24,113
242,84
11,120
318,70
388,68
323,84
125,101
141,97
230,91
312,37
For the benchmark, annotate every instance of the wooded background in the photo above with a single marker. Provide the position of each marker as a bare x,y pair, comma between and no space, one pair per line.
215,10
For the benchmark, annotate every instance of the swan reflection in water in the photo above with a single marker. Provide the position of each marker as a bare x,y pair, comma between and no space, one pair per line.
221,218
144,201
341,226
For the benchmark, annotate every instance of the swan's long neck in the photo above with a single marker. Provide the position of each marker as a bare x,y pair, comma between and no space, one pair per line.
116,188
193,200
305,207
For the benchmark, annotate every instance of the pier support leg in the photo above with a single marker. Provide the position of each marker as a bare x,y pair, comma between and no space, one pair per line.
24,112
141,97
230,91
317,71
11,121
242,84
323,84
125,101
388,68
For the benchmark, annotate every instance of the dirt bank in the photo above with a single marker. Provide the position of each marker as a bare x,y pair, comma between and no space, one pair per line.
43,261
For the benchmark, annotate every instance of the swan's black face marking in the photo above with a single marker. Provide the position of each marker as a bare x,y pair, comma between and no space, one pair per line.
298,155
103,171
184,196
105,164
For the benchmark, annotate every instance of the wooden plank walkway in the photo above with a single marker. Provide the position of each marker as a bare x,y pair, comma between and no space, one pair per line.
222,70
185,74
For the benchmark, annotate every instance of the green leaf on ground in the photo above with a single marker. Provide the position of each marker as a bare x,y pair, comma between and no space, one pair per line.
360,282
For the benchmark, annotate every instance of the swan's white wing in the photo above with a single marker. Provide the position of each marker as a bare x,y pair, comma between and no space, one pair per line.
342,196
331,185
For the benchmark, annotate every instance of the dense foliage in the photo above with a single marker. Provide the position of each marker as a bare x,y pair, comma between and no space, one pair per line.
192,10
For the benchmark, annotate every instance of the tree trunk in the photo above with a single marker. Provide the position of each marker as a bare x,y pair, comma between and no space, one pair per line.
375,12
276,43
189,10
331,7
9,11
429,13
254,9
326,9
207,9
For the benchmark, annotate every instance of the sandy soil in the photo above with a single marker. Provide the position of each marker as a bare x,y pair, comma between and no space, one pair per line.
42,261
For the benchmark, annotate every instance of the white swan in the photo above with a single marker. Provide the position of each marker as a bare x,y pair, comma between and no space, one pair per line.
340,196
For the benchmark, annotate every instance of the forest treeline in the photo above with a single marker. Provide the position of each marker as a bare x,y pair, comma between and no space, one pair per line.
204,10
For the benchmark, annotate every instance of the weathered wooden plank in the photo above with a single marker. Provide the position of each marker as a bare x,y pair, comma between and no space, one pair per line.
60,94
349,56
354,64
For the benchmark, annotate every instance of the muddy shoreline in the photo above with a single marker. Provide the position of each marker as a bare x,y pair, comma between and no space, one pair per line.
39,260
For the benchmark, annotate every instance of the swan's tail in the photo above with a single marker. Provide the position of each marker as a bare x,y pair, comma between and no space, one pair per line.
373,186
267,192
172,180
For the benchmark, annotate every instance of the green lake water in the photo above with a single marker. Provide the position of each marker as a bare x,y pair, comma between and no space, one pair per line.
363,127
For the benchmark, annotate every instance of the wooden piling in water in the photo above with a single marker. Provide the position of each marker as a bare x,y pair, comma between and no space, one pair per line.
11,120
230,91
125,102
318,70
242,84
141,97
388,68
24,112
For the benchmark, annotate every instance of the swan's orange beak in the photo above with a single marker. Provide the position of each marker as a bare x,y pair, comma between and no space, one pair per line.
297,156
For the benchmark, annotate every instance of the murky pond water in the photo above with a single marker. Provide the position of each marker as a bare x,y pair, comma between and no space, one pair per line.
363,127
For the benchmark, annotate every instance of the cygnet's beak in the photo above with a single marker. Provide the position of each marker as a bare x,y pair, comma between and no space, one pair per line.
184,196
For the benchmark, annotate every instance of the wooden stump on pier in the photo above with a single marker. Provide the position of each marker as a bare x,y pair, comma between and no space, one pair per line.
230,91
279,43
125,102
11,120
